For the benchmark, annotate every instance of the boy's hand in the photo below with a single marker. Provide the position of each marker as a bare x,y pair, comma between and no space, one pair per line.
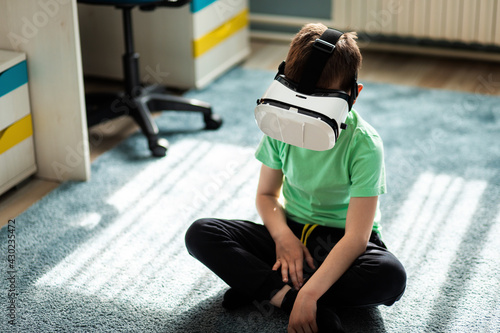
303,316
290,253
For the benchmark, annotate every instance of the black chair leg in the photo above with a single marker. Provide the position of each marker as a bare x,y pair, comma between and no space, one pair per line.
158,99
138,101
158,146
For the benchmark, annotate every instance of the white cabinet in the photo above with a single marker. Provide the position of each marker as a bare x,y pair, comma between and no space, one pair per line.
17,154
181,47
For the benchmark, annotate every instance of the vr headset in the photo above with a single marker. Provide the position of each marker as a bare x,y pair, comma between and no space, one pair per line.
300,114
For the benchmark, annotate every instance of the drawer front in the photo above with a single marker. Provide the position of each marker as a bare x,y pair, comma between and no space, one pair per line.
16,133
197,5
221,33
14,97
221,58
17,164
215,15
13,78
14,106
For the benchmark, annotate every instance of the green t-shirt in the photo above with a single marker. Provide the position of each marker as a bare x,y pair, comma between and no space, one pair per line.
317,185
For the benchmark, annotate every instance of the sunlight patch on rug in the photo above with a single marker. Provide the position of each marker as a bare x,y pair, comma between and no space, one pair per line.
427,233
481,301
145,240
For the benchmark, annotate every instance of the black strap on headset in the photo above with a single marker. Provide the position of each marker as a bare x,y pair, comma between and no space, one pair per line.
321,51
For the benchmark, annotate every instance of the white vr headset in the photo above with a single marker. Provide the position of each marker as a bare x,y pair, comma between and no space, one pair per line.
301,115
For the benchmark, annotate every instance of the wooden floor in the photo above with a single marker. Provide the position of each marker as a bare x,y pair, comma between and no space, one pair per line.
475,76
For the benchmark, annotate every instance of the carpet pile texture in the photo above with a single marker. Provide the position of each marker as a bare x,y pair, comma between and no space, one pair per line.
108,255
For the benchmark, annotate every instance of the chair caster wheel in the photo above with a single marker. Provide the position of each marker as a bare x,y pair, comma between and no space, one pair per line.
213,122
158,147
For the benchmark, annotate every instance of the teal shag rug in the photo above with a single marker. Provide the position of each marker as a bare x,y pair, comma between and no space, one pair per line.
108,255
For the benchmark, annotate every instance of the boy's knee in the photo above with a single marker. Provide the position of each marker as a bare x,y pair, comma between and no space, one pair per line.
395,277
194,234
396,285
400,278
202,233
386,272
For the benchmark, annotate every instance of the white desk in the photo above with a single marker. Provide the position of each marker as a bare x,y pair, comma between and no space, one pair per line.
47,31
189,46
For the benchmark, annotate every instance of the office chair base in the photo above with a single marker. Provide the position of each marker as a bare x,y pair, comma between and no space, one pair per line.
212,122
138,101
102,107
158,147
157,98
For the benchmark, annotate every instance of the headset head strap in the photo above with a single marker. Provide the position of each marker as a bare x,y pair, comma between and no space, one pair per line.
321,51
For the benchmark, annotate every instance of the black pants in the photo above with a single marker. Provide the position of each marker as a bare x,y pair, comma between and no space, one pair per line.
242,254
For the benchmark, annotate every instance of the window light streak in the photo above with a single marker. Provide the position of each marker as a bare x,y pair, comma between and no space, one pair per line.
146,180
247,177
409,212
132,222
481,301
142,249
438,201
427,232
89,221
123,221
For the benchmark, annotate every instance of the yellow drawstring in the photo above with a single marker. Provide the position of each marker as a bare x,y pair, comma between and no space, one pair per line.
306,231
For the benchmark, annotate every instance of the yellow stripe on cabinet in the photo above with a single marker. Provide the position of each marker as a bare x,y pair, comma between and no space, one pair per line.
15,133
205,43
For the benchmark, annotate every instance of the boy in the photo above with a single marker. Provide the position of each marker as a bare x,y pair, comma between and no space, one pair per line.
320,250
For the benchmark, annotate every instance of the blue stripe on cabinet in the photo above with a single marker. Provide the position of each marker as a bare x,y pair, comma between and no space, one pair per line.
197,5
13,78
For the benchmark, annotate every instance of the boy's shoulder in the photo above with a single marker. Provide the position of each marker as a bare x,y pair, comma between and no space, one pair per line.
362,133
360,127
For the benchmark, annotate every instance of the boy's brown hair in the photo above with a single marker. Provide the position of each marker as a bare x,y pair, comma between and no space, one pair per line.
340,68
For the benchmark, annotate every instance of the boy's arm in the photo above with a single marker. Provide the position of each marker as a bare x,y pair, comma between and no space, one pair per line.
268,206
290,252
359,224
